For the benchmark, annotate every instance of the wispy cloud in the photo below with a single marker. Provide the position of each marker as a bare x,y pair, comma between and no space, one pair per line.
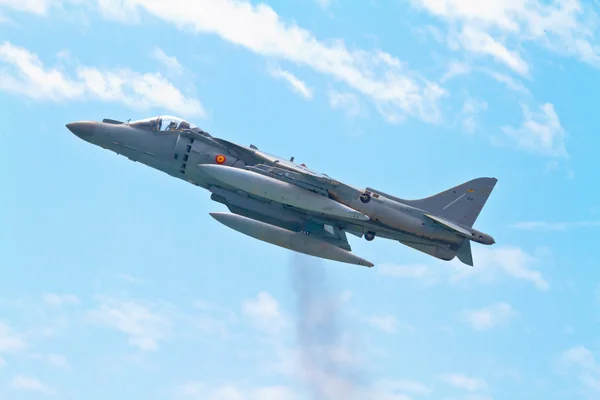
377,75
324,3
464,382
582,362
498,314
388,323
555,226
456,68
213,319
264,312
56,360
230,391
492,28
490,264
28,383
9,341
404,386
145,327
348,102
295,84
39,7
26,75
170,62
421,272
479,41
540,132
468,114
510,82
58,300
129,278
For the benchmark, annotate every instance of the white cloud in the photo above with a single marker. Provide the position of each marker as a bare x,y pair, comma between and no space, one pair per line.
470,109
9,341
555,226
264,313
348,102
129,278
455,69
56,360
31,384
377,75
563,26
388,323
477,41
58,300
39,7
404,385
214,320
324,3
498,314
583,363
511,83
490,262
189,389
26,75
123,11
296,84
200,391
415,271
144,327
508,260
464,382
541,132
170,62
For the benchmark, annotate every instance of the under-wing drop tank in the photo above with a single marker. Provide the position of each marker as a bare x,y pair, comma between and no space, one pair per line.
296,241
280,191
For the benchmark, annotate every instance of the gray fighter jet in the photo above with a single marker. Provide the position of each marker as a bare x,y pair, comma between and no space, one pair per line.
289,205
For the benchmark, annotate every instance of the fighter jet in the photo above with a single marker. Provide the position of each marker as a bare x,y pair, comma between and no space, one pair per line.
289,205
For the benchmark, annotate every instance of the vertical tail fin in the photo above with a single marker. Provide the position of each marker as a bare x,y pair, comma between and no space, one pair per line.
461,204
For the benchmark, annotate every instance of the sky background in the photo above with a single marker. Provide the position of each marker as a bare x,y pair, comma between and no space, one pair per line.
115,283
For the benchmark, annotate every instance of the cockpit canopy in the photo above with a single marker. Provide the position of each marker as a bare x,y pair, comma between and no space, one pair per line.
164,123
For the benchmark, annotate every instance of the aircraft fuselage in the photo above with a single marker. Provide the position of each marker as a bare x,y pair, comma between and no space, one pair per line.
182,150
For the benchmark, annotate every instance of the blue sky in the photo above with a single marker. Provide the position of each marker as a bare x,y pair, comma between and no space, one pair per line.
116,283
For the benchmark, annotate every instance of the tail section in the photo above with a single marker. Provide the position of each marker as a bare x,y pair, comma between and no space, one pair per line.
464,253
461,204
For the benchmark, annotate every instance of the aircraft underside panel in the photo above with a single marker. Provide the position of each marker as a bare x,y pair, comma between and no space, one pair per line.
442,252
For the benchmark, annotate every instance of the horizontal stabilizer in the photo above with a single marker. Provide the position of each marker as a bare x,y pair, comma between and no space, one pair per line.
450,225
440,252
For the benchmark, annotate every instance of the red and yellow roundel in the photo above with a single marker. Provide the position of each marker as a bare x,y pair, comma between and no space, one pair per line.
220,159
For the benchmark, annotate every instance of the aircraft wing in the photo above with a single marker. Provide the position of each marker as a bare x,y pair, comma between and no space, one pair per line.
275,224
330,231
289,171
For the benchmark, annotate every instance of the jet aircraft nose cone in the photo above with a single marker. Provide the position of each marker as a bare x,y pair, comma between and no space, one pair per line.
83,129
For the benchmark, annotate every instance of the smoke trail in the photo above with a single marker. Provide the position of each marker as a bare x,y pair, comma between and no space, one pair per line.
326,365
